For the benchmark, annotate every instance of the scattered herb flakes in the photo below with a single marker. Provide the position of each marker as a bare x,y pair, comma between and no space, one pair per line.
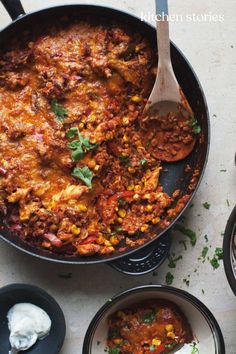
186,281
114,350
124,159
204,252
192,122
223,170
143,162
203,291
72,132
187,232
79,147
149,317
84,174
214,115
121,201
206,205
148,145
206,238
219,252
169,278
214,262
184,243
191,206
60,112
152,348
195,350
98,342
172,261
227,202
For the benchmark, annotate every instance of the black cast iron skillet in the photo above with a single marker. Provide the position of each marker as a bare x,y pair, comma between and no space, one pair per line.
150,255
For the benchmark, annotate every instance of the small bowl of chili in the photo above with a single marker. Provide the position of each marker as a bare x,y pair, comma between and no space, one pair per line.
154,319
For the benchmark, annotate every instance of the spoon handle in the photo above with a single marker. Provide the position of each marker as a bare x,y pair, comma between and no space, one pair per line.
163,37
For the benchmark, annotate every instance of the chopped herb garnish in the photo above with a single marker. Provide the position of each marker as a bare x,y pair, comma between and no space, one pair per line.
84,174
60,112
223,170
169,278
186,281
72,132
143,162
152,348
191,234
113,333
184,244
214,262
79,147
227,202
121,201
204,252
124,159
194,124
172,261
195,350
203,291
206,238
98,342
148,144
206,205
149,317
219,252
114,350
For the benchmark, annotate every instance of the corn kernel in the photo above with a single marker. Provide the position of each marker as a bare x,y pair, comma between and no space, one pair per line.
169,328
81,125
100,239
149,207
144,228
156,342
93,141
24,216
136,99
156,220
131,169
171,335
114,240
125,121
125,139
75,230
120,220
96,168
122,213
117,341
91,163
82,207
109,136
136,196
130,187
107,243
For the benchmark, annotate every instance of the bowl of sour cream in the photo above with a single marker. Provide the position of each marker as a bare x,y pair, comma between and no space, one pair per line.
30,319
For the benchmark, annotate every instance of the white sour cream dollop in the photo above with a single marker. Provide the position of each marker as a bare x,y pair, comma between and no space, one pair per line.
27,323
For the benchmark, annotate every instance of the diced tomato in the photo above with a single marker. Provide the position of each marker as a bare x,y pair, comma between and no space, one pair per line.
125,194
159,350
3,171
89,239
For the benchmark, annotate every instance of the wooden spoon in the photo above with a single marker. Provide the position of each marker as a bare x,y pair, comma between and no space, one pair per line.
167,110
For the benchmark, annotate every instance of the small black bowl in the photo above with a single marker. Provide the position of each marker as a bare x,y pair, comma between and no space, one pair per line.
229,250
17,293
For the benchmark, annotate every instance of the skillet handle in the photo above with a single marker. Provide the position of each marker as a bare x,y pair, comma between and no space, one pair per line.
14,8
146,260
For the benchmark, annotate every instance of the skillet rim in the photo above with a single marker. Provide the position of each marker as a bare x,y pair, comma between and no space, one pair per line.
112,258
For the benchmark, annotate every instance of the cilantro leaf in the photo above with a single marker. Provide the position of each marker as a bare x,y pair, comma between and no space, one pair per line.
60,112
72,132
143,162
219,252
169,278
149,317
191,234
214,262
193,123
206,205
84,174
124,159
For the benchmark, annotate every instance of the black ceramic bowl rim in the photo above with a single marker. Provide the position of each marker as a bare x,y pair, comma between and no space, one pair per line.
213,324
44,295
51,257
228,254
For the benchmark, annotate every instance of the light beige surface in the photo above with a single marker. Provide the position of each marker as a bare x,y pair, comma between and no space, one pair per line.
211,49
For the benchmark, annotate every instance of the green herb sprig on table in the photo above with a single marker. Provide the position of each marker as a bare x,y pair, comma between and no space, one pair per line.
187,232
